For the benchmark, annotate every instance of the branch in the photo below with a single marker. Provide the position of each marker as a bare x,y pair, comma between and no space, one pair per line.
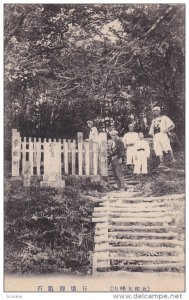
47,50
111,68
17,27
72,89
145,71
157,22
128,61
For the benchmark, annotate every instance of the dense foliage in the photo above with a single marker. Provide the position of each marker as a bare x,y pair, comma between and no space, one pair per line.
65,64
47,230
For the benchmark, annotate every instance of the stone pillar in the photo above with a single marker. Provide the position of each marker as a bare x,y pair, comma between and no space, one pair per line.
52,165
16,150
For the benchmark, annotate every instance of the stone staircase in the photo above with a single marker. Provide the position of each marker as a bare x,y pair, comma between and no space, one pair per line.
128,174
136,234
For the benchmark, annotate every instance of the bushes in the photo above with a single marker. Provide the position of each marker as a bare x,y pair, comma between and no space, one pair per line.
164,187
47,230
86,183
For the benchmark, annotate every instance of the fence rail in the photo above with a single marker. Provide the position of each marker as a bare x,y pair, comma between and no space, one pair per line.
40,156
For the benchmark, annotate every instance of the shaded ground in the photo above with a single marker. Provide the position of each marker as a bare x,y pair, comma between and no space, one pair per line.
47,230
165,183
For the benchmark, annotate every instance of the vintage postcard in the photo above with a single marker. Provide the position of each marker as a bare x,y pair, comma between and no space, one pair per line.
94,148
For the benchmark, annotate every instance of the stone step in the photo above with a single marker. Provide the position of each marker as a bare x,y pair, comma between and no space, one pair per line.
103,264
154,259
131,214
151,252
131,228
136,249
130,195
168,235
130,209
145,268
140,219
151,242
132,205
111,177
158,267
99,220
124,168
101,231
135,241
123,196
124,171
130,181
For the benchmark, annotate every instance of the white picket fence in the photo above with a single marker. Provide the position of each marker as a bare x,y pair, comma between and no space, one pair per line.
74,157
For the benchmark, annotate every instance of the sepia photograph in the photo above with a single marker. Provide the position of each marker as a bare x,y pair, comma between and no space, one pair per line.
94,148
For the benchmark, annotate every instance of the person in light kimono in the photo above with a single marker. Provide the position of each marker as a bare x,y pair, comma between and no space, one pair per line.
93,135
129,140
142,153
160,129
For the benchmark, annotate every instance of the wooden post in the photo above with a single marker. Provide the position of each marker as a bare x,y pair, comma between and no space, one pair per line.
23,155
80,151
16,149
69,155
38,156
87,159
60,166
95,161
65,156
73,156
31,155
34,153
103,153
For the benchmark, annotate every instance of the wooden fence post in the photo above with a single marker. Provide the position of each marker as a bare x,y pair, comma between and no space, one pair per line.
95,158
60,164
39,156
73,144
65,144
16,150
80,151
23,155
87,158
103,153
31,155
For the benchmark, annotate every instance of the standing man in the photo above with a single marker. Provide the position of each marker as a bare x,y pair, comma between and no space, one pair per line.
160,128
142,153
93,135
129,140
117,154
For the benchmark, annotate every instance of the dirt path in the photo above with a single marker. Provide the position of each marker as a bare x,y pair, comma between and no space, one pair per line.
136,234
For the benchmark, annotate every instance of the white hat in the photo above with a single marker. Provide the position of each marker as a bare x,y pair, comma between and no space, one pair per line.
113,132
156,108
131,125
90,122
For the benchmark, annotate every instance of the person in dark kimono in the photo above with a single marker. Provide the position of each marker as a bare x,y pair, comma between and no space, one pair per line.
117,156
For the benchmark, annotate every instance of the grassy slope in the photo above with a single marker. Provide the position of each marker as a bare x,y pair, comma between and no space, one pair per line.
47,230
165,183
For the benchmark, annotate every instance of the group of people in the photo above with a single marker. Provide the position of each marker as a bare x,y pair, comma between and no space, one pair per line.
135,149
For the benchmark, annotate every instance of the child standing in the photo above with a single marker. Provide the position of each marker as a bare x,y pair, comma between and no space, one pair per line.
142,153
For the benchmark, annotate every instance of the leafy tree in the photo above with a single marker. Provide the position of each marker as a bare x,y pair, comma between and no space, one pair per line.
67,63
